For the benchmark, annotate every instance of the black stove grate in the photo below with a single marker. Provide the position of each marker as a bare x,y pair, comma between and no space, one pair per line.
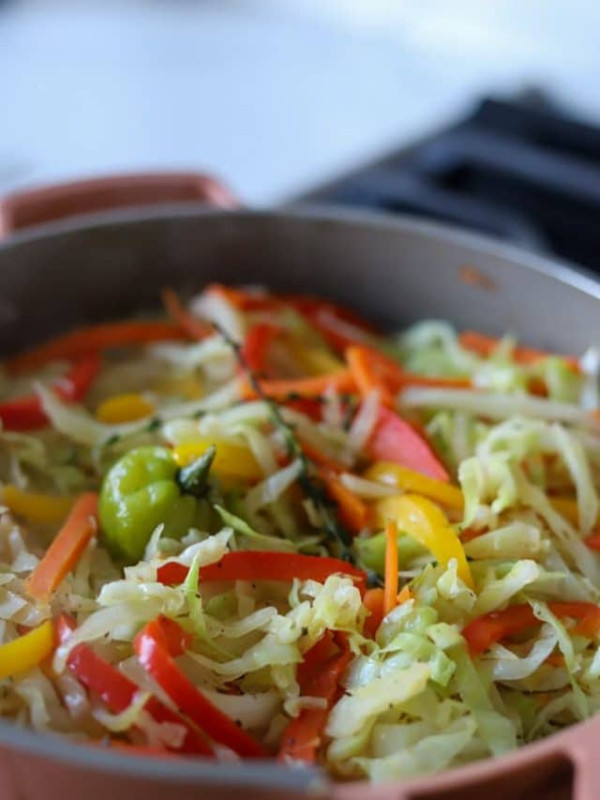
519,170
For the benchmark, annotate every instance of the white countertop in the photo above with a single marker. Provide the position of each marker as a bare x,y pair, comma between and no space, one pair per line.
273,95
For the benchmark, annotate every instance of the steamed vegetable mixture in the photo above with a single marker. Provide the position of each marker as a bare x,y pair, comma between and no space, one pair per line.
259,528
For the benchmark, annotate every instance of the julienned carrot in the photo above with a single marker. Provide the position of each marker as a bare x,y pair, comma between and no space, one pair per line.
94,338
391,567
353,513
404,595
185,320
287,388
485,345
66,549
319,457
367,377
244,300
373,601
374,370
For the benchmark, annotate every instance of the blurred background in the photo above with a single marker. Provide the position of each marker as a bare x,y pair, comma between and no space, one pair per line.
281,96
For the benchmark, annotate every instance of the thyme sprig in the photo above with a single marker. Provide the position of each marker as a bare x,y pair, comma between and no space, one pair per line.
338,537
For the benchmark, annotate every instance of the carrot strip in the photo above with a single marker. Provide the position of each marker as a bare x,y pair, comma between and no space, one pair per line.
319,457
391,567
485,345
185,320
91,339
373,601
404,596
66,549
244,300
284,389
374,370
352,512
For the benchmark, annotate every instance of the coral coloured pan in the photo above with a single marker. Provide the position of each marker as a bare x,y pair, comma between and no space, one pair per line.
104,248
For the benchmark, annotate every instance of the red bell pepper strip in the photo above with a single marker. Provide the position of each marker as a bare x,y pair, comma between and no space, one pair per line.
117,691
483,632
259,565
26,413
317,678
96,338
395,440
156,646
255,349
373,601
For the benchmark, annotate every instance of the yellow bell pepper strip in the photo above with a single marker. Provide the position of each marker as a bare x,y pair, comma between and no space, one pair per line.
27,651
404,478
36,507
231,460
391,567
124,408
66,549
424,521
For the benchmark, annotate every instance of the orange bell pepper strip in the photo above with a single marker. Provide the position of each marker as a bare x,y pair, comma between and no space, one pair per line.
258,565
304,735
395,440
96,338
66,549
187,323
485,346
26,413
156,646
483,632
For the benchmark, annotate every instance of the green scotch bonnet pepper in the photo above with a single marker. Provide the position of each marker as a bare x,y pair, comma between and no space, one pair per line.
145,489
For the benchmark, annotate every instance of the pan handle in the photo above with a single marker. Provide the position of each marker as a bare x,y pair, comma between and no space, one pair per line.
21,209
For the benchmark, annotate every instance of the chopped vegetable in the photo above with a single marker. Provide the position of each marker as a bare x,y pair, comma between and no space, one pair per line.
35,506
303,736
230,460
483,632
27,651
353,513
486,345
391,566
145,489
256,565
186,322
395,440
96,338
374,601
257,343
124,408
156,646
293,388
66,549
26,413
118,692
410,481
425,522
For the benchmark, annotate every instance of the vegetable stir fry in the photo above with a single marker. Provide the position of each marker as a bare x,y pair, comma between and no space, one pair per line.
259,528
